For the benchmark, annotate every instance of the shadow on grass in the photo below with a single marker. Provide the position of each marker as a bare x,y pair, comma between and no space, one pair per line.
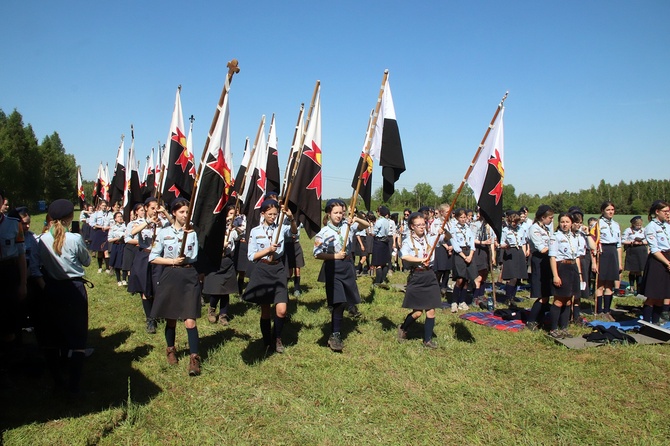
256,351
107,376
349,325
219,339
461,332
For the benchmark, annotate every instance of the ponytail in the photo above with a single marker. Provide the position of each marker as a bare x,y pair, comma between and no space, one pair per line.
58,232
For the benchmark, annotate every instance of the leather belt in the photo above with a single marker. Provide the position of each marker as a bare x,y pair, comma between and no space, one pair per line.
567,262
269,262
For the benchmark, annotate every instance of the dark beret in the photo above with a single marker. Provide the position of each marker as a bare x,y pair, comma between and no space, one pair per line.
543,209
61,208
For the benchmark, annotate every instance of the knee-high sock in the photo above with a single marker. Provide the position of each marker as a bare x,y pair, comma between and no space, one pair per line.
170,335
656,314
428,327
225,303
146,306
279,326
564,318
647,311
266,331
193,340
214,300
554,314
535,311
336,317
409,320
607,302
76,366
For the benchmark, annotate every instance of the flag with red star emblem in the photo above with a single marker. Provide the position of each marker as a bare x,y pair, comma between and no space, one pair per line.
133,193
305,198
80,189
99,188
214,189
257,183
365,191
105,183
272,168
117,188
386,145
180,170
486,177
364,171
149,182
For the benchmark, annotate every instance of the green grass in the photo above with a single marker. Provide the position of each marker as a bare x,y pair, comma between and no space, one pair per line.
481,386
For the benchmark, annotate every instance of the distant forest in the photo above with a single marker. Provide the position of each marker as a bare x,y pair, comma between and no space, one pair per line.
629,198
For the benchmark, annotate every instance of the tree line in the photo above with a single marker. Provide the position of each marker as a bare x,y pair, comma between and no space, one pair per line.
31,171
633,197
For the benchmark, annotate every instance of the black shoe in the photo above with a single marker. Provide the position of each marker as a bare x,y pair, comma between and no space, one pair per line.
532,326
335,342
151,326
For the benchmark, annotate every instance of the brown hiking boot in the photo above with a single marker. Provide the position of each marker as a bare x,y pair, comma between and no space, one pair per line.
279,347
194,365
223,319
402,334
211,315
172,355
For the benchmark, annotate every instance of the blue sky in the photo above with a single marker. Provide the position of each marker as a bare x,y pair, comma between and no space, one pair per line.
588,81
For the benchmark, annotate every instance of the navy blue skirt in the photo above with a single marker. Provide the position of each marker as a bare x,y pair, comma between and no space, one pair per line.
267,284
608,268
541,276
340,279
116,252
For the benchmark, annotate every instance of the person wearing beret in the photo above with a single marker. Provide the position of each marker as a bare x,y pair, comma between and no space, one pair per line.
539,237
177,295
63,255
267,283
609,263
656,279
338,266
422,293
636,248
381,251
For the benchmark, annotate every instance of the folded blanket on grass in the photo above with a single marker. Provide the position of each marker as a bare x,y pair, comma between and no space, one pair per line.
623,325
490,320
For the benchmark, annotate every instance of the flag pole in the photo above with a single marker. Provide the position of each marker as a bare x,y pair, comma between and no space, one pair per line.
289,181
491,263
372,123
232,69
467,174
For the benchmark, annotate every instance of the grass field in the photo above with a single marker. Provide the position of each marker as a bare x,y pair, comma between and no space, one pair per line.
481,386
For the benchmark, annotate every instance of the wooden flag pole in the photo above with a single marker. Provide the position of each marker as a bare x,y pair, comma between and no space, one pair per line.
372,123
467,174
232,69
289,181
492,254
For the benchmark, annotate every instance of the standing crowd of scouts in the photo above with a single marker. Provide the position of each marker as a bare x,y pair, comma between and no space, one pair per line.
156,256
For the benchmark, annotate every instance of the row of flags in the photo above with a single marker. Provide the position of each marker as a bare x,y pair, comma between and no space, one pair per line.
259,173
